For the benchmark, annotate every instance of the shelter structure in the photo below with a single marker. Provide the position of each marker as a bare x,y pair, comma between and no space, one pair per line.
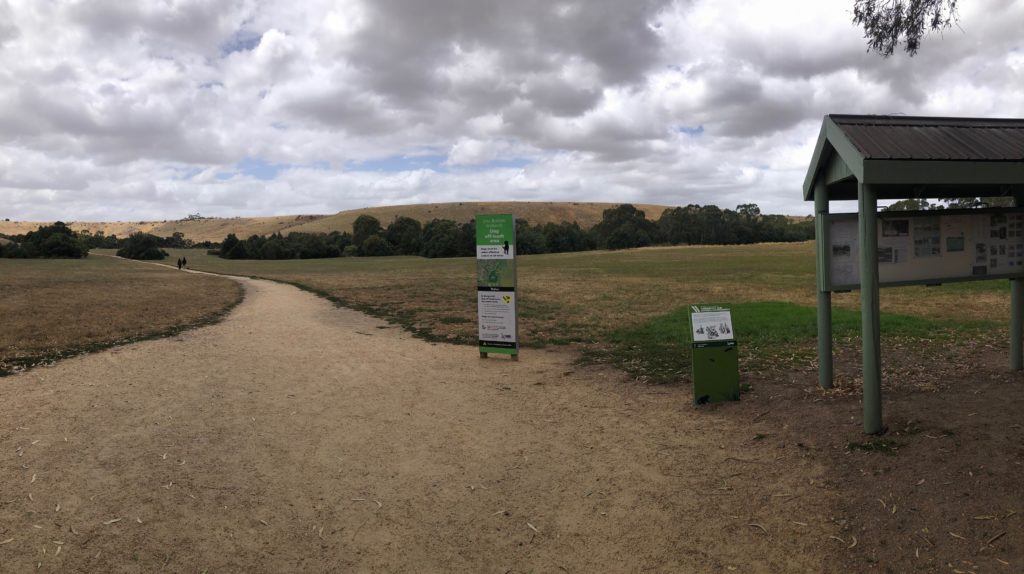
868,158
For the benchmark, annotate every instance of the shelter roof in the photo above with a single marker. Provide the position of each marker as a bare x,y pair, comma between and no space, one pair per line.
908,156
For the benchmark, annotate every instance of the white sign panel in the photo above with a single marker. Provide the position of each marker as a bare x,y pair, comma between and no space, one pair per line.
497,313
922,247
711,326
505,251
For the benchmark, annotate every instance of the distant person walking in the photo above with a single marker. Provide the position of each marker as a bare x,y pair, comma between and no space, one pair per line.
179,264
184,263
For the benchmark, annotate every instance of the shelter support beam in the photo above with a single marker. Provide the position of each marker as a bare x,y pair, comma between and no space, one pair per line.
822,243
1017,311
870,333
1016,323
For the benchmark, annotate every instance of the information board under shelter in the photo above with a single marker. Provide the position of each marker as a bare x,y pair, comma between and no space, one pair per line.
930,246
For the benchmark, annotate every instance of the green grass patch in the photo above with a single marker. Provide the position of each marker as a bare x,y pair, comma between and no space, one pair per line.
769,333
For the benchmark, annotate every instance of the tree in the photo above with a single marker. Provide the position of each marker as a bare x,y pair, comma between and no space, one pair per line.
228,244
529,240
441,238
889,23
141,246
405,234
623,227
57,240
976,202
363,227
376,246
912,204
565,237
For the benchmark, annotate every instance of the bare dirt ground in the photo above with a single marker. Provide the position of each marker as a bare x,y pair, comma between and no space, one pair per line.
297,436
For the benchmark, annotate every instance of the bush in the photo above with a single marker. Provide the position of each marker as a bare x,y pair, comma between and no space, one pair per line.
142,246
57,240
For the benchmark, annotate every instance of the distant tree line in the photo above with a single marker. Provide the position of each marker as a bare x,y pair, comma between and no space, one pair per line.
621,227
59,240
920,204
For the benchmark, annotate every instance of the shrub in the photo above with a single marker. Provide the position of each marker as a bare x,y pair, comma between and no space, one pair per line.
57,240
142,246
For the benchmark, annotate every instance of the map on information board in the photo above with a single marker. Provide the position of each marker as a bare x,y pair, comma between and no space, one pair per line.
930,246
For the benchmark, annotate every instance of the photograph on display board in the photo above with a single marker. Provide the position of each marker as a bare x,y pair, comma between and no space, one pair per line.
888,255
895,228
927,237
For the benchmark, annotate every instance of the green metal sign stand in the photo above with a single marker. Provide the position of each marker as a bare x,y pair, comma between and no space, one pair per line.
496,285
715,359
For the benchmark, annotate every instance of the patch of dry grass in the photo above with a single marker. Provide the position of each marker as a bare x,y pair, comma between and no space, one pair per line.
52,307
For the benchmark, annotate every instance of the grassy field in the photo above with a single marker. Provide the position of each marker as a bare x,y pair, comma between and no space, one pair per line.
628,307
52,308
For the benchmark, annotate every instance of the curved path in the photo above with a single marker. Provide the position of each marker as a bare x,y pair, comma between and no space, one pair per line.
297,436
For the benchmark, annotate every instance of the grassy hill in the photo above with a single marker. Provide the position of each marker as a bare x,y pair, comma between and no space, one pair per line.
215,229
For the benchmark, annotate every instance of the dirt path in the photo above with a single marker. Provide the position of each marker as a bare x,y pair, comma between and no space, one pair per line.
297,436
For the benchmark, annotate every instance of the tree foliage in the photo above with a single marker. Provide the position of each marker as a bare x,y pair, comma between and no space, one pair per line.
142,246
624,227
621,227
405,234
363,227
889,23
50,241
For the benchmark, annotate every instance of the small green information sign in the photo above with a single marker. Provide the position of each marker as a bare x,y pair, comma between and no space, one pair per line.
496,284
716,371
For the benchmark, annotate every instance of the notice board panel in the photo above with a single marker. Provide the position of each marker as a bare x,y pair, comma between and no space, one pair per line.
928,247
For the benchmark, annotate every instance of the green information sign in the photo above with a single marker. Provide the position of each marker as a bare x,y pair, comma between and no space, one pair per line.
496,284
716,371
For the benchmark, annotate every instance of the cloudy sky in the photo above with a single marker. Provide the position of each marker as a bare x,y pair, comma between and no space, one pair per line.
153,110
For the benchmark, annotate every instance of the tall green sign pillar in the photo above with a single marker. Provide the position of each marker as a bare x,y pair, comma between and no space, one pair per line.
496,285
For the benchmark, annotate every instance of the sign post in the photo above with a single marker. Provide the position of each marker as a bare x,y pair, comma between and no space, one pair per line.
716,369
496,285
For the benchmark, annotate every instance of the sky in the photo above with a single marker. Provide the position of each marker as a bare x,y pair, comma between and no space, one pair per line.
114,110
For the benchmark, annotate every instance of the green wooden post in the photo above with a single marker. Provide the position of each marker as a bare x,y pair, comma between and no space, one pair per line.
871,346
1016,311
1016,294
821,244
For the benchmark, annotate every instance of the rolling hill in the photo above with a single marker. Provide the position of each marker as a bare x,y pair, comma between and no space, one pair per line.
215,229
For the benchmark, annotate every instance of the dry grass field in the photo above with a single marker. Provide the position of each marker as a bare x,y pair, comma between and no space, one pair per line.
583,297
216,229
51,308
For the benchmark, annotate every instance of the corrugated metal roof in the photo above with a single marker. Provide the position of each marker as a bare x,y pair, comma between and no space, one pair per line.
924,138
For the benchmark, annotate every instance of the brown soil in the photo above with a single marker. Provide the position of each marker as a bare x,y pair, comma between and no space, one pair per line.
296,436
